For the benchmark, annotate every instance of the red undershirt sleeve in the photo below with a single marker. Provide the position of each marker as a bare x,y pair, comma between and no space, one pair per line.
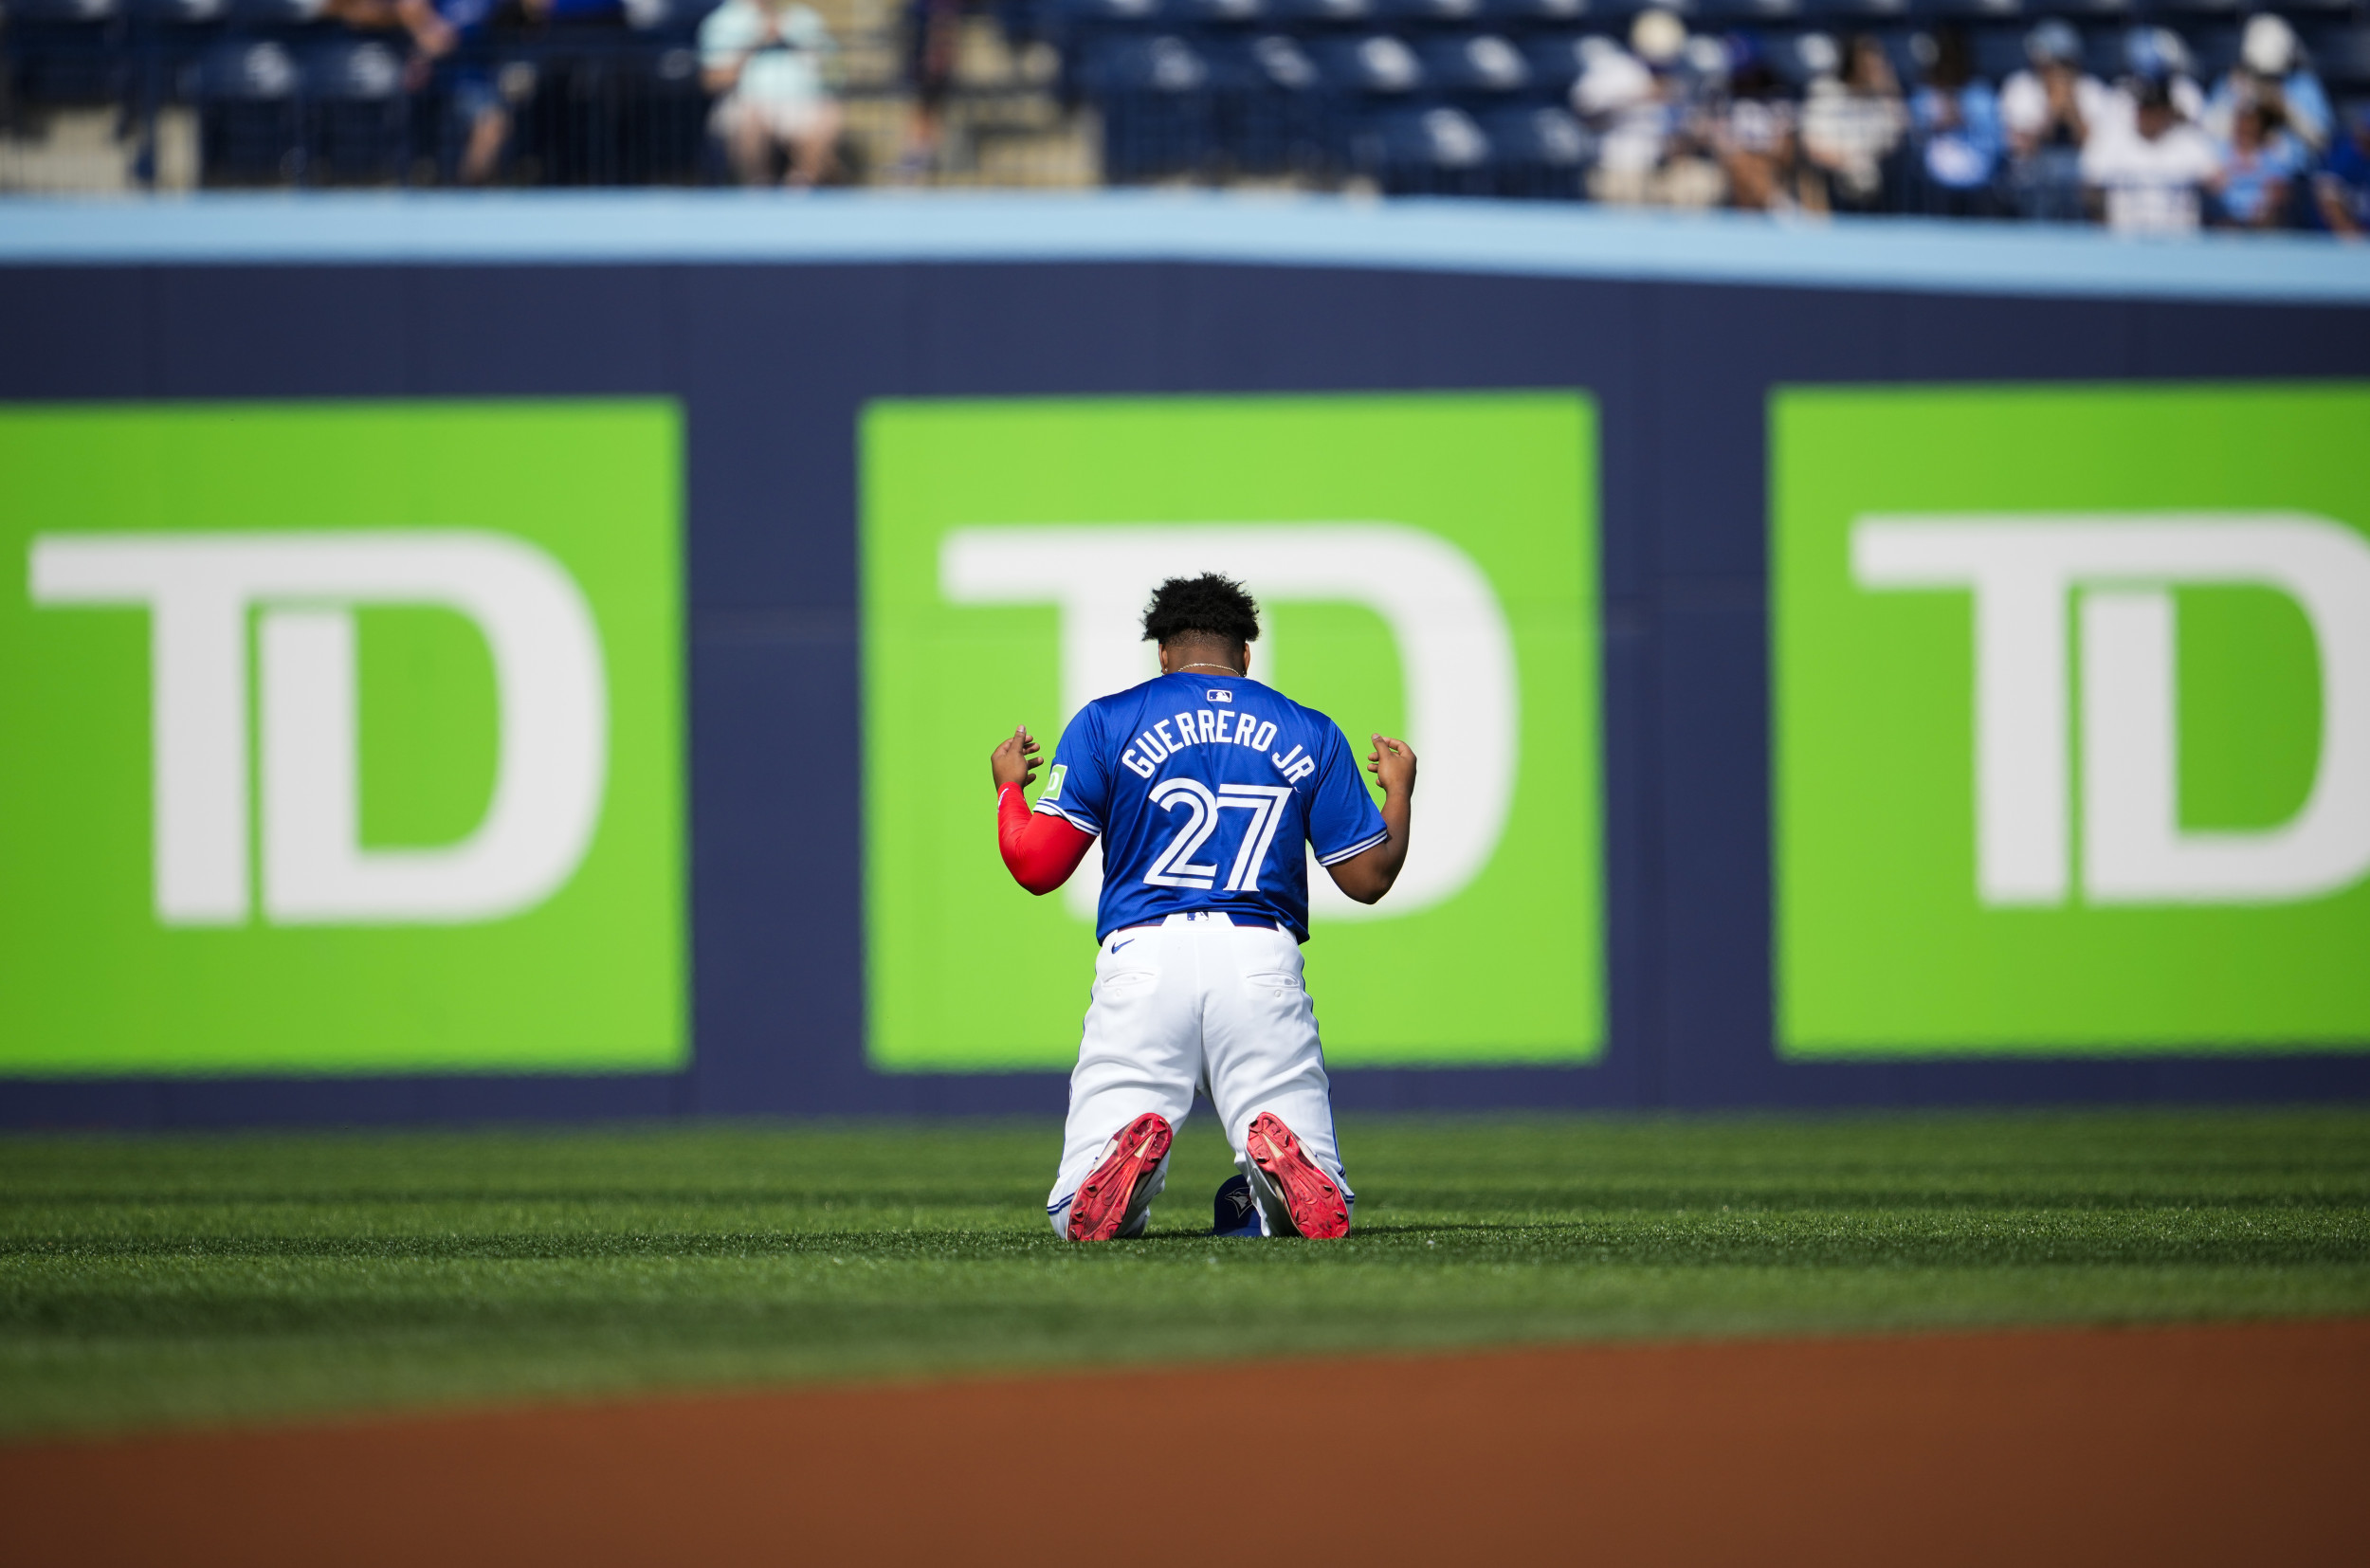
1040,849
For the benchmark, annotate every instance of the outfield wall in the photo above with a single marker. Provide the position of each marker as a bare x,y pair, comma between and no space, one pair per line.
1724,818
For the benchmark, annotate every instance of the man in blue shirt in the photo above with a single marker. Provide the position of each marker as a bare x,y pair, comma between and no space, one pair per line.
1202,785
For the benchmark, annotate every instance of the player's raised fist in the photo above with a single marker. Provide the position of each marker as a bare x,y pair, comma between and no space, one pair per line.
1393,763
1015,760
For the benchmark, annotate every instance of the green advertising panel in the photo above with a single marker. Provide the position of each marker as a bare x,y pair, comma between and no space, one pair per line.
341,738
2073,719
1426,567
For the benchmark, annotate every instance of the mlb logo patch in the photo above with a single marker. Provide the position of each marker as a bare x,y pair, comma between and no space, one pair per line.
1218,694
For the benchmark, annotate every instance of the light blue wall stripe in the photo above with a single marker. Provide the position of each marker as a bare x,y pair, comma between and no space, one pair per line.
1430,236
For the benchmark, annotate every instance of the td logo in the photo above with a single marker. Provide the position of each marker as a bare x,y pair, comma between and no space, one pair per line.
551,705
2073,720
2021,572
1426,566
341,738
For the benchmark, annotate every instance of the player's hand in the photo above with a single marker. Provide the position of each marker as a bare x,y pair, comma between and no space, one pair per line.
1393,763
1016,761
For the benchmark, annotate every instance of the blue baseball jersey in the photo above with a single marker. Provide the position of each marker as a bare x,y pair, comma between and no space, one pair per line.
1202,792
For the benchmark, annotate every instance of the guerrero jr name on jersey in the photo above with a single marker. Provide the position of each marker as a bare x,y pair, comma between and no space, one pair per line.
1202,795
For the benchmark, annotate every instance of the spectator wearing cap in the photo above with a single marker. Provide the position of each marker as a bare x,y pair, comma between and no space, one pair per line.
1954,116
2049,110
2270,71
2260,162
1637,101
2158,54
1851,125
2341,191
2149,174
765,59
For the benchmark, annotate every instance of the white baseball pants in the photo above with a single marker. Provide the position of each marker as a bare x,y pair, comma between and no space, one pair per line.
1197,1002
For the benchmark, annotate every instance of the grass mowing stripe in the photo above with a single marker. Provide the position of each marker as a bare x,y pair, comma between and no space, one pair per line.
204,1278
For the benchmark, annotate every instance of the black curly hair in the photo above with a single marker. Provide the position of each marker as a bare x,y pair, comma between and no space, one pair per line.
1207,606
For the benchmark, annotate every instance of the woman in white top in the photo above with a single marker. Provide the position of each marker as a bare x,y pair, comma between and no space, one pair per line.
766,58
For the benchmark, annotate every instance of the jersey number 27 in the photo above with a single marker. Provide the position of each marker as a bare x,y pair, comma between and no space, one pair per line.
1174,866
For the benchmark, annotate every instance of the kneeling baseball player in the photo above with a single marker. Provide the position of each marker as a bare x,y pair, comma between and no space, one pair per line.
1202,784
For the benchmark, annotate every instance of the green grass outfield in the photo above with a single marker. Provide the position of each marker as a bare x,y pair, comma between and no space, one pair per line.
197,1278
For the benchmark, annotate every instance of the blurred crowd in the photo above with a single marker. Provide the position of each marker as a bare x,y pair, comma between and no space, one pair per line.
1709,119
763,63
2058,125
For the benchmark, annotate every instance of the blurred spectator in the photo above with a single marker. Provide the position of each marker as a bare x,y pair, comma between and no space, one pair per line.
766,59
1756,135
1851,124
933,42
2158,54
473,97
1637,101
2150,172
2260,163
2049,110
1955,118
2340,192
2270,71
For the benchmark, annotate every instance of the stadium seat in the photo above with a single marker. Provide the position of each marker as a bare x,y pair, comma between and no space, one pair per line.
1428,13
356,114
1325,13
1527,15
1482,65
1273,119
1220,14
1092,17
1539,152
1277,61
1556,60
1378,65
1156,106
1439,151
249,114
1164,64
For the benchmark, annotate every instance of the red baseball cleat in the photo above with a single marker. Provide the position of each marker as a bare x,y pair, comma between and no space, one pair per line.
1314,1198
1104,1197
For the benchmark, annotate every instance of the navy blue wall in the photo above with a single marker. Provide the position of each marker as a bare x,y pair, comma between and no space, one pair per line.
772,363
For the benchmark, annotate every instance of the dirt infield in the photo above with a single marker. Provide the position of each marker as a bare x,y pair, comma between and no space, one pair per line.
2159,1446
